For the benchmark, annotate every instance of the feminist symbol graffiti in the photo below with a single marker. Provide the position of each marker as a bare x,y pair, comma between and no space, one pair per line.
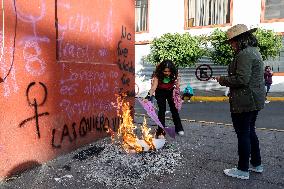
35,104
202,74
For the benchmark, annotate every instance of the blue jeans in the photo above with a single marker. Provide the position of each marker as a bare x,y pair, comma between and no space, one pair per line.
267,86
248,144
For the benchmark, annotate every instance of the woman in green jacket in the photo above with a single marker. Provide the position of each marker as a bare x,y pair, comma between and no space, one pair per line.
247,96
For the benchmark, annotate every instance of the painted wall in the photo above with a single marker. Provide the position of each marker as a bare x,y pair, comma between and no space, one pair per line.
62,63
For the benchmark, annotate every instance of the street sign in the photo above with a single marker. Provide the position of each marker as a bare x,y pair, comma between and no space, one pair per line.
203,72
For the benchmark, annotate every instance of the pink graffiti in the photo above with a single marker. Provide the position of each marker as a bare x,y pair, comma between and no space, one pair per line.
35,65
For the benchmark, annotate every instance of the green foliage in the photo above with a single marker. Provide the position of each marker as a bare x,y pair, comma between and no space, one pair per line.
183,49
222,53
270,43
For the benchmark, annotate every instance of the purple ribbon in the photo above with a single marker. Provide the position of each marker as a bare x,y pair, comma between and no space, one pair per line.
150,109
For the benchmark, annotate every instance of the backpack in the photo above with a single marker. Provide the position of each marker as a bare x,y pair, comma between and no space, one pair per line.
188,89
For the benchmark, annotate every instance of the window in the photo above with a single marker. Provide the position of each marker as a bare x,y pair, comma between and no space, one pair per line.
273,10
141,15
207,12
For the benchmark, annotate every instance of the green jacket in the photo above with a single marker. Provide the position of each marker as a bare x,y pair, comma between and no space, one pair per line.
246,82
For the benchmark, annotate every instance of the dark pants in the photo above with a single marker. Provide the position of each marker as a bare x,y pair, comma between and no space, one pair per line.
162,96
248,145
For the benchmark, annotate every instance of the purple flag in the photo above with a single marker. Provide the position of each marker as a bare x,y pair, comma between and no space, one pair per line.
149,107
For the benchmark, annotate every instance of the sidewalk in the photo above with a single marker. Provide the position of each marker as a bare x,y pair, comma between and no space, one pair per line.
195,160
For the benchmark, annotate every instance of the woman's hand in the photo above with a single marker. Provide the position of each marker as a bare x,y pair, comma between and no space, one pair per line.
217,78
147,98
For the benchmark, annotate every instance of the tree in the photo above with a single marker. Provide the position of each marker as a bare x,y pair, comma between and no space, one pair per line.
183,49
270,45
221,52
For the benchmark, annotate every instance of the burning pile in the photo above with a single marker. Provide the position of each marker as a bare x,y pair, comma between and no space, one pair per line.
116,169
130,142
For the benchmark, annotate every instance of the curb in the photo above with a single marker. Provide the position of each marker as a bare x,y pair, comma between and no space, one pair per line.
209,98
224,99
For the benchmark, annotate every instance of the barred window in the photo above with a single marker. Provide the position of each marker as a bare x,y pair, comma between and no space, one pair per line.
207,12
141,15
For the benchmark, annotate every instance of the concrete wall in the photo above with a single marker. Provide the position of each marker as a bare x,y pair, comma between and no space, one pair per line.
62,63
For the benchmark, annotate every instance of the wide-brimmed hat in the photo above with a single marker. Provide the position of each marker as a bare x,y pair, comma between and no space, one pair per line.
237,30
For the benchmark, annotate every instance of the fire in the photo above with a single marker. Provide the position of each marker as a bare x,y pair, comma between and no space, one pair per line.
146,136
130,141
126,131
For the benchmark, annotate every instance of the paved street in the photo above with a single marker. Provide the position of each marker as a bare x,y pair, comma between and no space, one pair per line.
194,161
271,117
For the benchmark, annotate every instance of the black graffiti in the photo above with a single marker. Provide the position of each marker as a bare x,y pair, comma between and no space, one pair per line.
121,51
130,93
45,93
123,64
126,66
98,123
125,80
124,34
65,133
35,104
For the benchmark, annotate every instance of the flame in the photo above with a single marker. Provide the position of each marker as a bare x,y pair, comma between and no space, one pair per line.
126,131
130,141
146,136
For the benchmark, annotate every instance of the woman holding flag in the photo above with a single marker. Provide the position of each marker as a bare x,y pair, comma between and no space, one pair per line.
164,80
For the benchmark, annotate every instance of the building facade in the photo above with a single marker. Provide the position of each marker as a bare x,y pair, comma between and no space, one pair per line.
157,17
